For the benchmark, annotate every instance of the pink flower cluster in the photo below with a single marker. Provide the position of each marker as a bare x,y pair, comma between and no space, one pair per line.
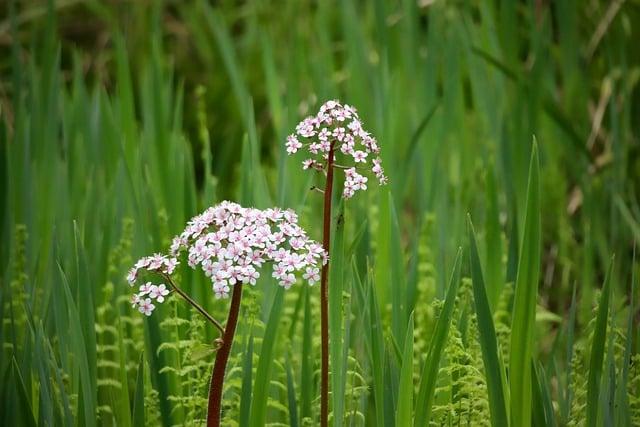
230,243
340,125
148,292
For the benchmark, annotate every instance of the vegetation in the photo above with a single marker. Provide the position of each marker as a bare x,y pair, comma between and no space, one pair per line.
492,281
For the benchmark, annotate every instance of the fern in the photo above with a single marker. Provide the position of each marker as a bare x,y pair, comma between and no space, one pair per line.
108,330
15,319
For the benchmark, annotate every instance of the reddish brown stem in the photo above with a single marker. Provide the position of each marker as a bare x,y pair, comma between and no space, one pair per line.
217,376
324,296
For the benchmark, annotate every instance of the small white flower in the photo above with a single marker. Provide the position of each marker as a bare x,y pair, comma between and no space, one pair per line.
158,292
311,275
146,307
359,156
293,144
145,288
135,300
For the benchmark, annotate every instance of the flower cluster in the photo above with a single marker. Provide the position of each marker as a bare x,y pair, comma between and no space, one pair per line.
339,126
230,243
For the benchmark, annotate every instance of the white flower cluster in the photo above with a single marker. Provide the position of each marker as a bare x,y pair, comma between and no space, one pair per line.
340,125
230,243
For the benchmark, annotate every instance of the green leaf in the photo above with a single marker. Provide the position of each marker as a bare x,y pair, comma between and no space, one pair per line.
307,387
78,347
438,341
263,373
493,242
17,407
336,286
404,409
524,304
138,396
493,366
597,352
291,396
247,373
621,397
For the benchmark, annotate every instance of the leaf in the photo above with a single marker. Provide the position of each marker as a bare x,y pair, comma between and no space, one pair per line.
291,396
621,397
138,396
307,387
247,373
597,351
336,286
404,409
18,408
524,303
493,366
263,373
438,341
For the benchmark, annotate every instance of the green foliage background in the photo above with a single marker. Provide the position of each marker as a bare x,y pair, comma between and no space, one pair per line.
119,120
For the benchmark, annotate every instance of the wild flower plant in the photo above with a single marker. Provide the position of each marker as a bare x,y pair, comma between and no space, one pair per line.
230,243
335,139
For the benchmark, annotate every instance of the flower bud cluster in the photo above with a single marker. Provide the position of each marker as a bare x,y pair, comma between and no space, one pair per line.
339,125
230,243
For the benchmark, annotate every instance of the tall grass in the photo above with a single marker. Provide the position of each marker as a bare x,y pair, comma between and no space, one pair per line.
119,121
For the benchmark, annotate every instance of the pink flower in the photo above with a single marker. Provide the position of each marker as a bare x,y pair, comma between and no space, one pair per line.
170,265
145,288
146,307
311,275
132,276
287,281
158,292
293,144
229,243
135,300
339,126
359,156
252,276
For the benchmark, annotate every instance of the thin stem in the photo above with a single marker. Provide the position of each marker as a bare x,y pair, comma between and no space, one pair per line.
195,305
217,376
324,295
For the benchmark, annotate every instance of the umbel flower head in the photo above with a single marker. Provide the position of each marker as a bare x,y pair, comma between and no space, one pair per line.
338,125
229,244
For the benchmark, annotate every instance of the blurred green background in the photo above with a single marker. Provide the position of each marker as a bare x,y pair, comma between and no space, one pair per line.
119,120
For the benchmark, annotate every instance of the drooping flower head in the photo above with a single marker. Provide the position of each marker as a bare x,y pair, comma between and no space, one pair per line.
339,125
230,243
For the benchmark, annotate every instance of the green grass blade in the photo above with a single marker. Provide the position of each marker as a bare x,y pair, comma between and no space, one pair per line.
138,396
336,286
291,396
377,357
18,408
431,364
404,409
307,387
263,373
622,398
524,305
493,366
597,352
247,373
79,349
493,242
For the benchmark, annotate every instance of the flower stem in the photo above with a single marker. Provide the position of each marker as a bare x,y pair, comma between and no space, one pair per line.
195,305
324,295
217,376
